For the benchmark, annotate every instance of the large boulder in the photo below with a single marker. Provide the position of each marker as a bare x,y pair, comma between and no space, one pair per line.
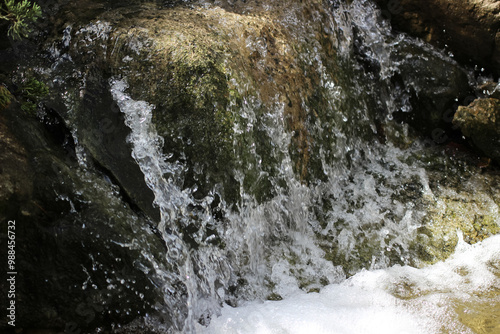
469,29
199,74
82,207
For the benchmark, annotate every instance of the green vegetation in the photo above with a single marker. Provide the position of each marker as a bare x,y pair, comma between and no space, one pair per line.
19,15
32,92
5,97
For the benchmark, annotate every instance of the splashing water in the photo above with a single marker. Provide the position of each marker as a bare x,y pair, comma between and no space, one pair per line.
246,235
309,237
442,298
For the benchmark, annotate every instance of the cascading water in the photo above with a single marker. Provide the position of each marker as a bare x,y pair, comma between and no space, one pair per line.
364,212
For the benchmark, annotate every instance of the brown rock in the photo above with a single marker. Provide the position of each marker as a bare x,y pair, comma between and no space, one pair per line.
480,121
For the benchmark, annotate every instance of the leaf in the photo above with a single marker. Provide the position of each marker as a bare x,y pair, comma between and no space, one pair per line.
20,15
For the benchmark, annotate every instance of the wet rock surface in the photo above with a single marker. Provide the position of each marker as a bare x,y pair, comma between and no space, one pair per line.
434,85
197,74
469,29
75,237
470,211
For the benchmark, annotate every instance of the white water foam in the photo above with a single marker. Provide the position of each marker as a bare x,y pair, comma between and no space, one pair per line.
395,300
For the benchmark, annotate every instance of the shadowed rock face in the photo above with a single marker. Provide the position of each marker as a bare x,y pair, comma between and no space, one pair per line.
468,28
16,175
77,243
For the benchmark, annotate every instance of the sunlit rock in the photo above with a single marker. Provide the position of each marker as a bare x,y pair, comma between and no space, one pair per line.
469,212
480,122
201,66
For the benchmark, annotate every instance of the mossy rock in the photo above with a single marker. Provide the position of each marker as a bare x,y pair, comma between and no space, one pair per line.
200,74
474,214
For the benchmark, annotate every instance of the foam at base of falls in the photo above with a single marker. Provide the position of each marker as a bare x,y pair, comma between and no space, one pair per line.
436,299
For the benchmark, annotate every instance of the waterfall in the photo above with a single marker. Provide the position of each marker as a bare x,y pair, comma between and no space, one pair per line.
248,235
363,214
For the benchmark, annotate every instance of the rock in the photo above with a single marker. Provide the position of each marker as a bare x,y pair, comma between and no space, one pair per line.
469,29
469,210
103,133
200,74
90,257
434,85
480,122
16,181
78,244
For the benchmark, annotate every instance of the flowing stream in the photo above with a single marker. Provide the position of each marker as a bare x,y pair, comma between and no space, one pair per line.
330,256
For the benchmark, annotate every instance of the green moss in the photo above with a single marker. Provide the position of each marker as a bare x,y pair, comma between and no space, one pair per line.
193,117
188,84
5,97
30,94
469,214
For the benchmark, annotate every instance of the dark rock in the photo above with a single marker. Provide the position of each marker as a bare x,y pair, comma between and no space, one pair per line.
79,246
434,84
469,29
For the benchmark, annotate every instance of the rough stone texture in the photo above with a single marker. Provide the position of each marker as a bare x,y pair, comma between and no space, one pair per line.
472,212
468,28
204,64
200,66
480,122
16,182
